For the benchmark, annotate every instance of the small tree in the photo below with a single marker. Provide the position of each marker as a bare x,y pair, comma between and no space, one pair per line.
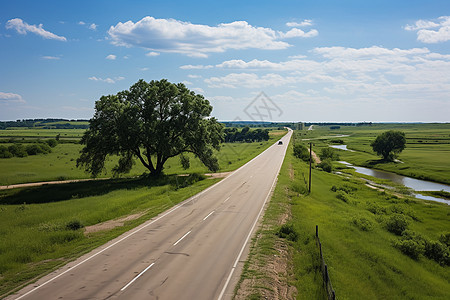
389,144
152,121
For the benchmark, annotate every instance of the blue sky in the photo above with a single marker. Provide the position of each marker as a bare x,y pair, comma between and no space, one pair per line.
315,60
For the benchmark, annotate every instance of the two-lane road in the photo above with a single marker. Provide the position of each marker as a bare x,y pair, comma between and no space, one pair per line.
189,252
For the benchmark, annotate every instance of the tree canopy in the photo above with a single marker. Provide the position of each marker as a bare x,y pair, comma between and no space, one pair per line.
389,144
152,121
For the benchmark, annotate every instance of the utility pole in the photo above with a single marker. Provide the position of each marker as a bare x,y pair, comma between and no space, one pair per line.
310,163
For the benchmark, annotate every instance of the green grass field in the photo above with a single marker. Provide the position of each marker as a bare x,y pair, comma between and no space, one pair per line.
426,156
61,163
359,250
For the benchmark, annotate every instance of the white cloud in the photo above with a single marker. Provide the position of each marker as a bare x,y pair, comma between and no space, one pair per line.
185,82
46,57
10,98
93,26
152,54
169,35
22,27
198,90
81,23
196,67
303,23
194,76
249,80
425,34
111,57
107,80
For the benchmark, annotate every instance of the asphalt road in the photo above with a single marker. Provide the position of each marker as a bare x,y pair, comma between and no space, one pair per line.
188,252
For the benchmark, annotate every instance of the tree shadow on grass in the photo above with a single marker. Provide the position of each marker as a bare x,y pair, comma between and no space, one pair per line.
67,191
372,163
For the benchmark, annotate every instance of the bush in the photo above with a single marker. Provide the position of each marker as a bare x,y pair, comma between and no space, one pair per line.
52,143
445,239
18,150
437,252
341,195
326,165
301,152
35,149
328,153
288,232
74,225
397,224
411,248
4,152
362,223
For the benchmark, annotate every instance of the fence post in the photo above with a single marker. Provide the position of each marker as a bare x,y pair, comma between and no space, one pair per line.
317,230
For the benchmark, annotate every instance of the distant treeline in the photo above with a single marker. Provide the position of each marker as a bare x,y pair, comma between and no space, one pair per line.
45,124
245,135
19,150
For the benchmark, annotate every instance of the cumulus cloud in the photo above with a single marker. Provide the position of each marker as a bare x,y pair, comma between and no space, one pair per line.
11,98
111,57
366,74
47,57
23,28
152,54
107,80
93,26
432,31
196,67
169,35
303,23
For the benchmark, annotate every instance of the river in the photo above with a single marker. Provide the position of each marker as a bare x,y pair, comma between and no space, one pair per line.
415,184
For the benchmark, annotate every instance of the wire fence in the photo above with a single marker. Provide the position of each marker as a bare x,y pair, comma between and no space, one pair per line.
326,278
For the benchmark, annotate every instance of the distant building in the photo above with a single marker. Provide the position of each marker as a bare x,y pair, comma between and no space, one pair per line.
300,126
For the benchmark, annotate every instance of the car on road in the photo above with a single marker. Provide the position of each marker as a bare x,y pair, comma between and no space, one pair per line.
280,142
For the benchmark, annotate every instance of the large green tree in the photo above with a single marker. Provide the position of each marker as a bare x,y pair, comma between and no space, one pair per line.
152,121
389,144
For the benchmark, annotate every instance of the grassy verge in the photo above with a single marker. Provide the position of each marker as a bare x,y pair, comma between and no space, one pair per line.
359,229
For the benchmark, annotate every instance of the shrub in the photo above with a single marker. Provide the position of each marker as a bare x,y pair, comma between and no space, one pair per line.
411,248
288,232
74,225
301,152
396,224
52,143
329,153
445,239
362,223
341,195
18,150
326,165
437,252
4,152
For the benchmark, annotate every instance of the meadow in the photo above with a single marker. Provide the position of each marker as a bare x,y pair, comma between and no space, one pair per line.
42,227
365,258
61,163
426,156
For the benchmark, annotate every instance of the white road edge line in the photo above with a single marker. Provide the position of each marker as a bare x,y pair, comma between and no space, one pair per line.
208,215
139,229
135,278
249,234
227,199
182,238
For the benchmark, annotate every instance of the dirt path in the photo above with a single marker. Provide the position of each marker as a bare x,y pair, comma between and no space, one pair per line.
14,186
315,157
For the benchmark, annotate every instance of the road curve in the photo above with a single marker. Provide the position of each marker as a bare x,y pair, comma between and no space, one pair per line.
188,252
